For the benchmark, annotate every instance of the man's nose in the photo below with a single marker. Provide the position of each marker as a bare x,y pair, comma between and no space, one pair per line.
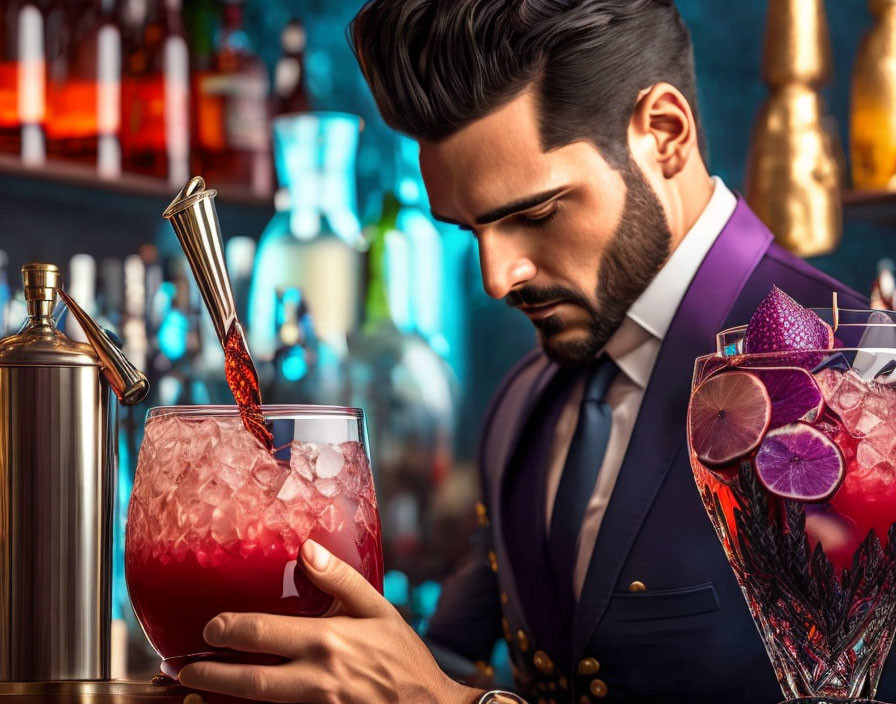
504,265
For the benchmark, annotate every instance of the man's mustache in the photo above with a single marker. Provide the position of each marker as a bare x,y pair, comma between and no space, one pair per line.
532,296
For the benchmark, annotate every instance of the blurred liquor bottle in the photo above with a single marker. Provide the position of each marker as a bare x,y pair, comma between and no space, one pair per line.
84,84
133,309
232,119
312,242
22,80
178,337
290,87
81,285
110,294
297,363
873,109
155,94
408,394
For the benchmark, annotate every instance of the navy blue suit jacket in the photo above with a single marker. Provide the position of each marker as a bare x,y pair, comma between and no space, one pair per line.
688,638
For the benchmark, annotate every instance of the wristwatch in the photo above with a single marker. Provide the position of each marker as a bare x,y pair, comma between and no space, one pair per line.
497,696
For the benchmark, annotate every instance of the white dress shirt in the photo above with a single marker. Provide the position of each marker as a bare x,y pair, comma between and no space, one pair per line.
634,348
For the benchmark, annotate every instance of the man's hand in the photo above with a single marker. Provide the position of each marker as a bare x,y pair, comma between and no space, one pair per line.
364,654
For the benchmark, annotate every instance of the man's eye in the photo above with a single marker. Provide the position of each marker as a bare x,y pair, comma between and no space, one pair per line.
535,220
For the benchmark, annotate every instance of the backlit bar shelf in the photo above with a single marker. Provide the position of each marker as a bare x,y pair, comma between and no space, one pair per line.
80,176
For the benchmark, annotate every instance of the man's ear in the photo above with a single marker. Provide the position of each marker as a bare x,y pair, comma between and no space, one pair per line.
662,131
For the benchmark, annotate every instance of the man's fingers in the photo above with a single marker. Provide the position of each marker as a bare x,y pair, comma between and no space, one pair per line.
257,633
342,581
259,682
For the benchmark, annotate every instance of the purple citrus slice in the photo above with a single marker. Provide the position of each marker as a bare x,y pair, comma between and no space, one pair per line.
794,393
727,417
799,462
780,324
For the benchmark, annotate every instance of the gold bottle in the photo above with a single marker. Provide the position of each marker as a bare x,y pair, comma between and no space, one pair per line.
794,169
873,109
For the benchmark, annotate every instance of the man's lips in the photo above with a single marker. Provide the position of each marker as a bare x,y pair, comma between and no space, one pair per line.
540,312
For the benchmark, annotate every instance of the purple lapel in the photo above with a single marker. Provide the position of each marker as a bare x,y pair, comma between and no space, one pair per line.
504,422
659,433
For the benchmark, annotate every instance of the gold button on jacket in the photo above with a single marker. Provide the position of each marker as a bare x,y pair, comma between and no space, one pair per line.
598,688
588,666
543,662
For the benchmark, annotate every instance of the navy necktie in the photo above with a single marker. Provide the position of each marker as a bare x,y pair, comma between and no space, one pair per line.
583,461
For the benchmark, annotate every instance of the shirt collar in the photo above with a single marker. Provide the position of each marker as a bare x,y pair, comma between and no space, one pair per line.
634,346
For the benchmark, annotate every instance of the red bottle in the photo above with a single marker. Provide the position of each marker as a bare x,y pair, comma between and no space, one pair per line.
232,114
155,93
22,79
84,84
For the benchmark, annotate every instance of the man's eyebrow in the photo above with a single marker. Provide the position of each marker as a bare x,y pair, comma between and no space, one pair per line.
508,209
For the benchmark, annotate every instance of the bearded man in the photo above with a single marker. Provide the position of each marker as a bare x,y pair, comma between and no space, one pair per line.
565,136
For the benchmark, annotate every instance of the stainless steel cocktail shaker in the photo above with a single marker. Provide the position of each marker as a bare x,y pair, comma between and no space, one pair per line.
57,486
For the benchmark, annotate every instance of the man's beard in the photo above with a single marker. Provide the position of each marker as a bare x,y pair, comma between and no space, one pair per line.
634,255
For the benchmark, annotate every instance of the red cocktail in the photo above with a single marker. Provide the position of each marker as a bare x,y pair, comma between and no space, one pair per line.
792,433
216,521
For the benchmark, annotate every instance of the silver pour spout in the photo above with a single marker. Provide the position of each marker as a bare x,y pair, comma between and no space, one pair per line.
194,218
129,383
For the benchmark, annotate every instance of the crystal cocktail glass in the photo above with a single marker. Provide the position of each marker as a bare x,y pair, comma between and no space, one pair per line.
816,563
216,522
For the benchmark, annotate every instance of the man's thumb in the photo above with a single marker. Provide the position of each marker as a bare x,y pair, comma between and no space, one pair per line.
340,580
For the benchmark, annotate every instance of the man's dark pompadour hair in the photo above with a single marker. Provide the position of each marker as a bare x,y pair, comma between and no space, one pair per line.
434,66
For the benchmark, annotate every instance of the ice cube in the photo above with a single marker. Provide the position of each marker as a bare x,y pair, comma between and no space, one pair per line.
269,474
355,477
198,438
850,393
865,422
829,380
136,525
235,454
331,519
225,520
365,519
867,455
214,492
302,457
199,517
294,488
883,438
233,476
253,500
329,462
301,519
275,516
327,487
